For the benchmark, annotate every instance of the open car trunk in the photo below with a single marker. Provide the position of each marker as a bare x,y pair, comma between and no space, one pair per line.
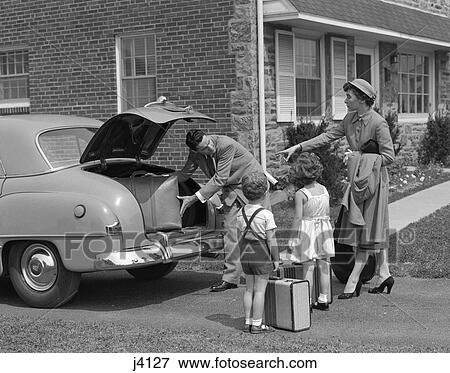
185,237
125,172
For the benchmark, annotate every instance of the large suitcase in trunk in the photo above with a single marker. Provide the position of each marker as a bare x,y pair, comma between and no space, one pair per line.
296,271
157,196
286,304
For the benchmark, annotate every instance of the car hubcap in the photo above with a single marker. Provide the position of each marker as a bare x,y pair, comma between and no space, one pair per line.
39,267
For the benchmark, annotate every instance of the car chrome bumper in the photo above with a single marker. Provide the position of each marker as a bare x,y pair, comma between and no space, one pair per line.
151,254
161,249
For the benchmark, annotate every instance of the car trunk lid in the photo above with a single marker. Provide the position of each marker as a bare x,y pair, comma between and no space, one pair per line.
137,133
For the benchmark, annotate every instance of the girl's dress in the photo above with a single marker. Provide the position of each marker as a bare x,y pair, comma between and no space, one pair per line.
315,235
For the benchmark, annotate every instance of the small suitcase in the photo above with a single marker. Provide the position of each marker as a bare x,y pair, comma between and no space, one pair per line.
286,304
296,271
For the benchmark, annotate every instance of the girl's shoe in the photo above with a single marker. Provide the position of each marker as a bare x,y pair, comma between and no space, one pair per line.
321,306
261,329
247,328
388,283
354,294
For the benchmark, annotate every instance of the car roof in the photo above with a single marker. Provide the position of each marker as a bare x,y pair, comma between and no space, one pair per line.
18,150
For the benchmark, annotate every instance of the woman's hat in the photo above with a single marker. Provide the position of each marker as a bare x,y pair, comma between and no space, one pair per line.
364,87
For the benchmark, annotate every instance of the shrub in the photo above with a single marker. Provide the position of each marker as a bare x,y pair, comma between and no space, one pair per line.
392,120
334,170
435,144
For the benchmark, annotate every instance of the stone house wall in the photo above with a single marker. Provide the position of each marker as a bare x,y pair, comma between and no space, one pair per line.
441,7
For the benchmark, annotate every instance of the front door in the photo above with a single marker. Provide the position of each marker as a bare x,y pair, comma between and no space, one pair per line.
364,58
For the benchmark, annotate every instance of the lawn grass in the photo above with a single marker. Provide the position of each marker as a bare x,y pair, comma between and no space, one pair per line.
422,249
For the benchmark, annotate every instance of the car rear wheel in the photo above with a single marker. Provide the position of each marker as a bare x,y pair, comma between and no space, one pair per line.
39,276
152,272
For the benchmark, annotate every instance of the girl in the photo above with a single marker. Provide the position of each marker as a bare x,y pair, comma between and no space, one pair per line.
312,234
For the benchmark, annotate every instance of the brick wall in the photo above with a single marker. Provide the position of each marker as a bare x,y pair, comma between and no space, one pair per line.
72,56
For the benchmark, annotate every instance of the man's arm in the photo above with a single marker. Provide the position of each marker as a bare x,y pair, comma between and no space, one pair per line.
188,169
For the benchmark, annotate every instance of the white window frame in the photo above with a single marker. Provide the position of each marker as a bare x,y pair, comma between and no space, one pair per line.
337,115
420,117
308,35
17,105
304,34
119,66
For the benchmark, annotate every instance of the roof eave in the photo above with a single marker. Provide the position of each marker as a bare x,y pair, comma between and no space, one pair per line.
353,26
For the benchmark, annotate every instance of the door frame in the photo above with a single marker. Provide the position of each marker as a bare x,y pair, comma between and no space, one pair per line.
375,65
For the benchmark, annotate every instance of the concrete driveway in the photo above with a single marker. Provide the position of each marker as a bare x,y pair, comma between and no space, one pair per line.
414,317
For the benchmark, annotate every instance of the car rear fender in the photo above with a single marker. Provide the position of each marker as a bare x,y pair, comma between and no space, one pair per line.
79,225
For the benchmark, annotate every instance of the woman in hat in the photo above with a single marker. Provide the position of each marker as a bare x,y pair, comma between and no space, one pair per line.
362,126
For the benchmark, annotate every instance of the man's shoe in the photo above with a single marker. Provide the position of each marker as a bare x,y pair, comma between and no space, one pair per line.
223,286
247,328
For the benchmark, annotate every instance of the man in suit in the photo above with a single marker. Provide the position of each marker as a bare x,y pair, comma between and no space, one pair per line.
225,162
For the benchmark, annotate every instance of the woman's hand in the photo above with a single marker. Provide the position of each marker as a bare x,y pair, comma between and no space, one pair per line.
287,153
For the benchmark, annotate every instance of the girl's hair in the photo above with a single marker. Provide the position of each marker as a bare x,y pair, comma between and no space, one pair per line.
306,169
254,185
359,94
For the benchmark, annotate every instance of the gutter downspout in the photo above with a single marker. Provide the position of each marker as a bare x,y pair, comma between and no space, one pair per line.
261,93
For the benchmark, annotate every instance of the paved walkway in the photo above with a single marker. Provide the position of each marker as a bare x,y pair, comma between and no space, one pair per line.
416,206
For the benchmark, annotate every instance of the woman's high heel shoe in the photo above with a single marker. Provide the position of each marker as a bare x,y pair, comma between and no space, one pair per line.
354,294
388,283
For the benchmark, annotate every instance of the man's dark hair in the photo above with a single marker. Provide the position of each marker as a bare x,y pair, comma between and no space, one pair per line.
193,138
359,94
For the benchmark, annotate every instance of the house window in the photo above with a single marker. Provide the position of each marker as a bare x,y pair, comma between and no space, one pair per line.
137,71
299,65
414,89
307,77
14,93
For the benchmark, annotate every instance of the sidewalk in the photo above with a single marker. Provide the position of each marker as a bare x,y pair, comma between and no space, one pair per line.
416,206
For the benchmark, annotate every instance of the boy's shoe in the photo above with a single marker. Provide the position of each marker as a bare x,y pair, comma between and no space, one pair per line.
247,328
321,306
261,329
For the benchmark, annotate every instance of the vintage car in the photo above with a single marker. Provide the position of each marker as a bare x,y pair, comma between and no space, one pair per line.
70,202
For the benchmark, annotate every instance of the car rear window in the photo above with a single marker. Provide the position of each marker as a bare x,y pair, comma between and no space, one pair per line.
63,147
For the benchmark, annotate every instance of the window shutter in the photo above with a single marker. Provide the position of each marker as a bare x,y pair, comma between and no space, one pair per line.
339,74
285,73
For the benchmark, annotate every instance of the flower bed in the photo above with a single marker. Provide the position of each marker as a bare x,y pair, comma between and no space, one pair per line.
406,180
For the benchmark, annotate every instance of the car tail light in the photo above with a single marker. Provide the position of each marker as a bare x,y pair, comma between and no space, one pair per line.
114,229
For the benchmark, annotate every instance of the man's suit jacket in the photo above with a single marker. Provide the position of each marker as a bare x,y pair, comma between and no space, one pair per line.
232,162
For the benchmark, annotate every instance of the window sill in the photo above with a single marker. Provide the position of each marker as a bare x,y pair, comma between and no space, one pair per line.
413,118
14,103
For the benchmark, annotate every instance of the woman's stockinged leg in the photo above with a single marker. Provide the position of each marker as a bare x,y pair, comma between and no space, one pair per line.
360,261
258,295
248,296
382,261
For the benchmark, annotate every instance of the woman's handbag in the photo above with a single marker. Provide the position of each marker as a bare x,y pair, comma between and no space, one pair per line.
370,146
